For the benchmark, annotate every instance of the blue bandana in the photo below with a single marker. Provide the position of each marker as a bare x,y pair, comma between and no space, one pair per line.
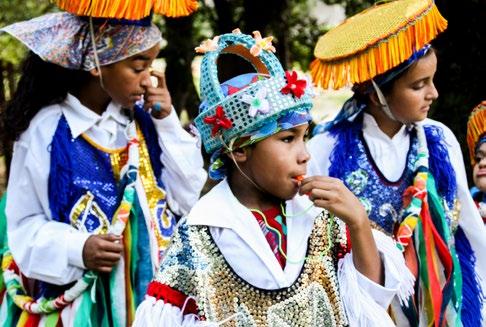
481,140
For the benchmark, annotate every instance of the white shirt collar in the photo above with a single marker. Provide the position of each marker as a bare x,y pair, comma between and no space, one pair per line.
220,209
370,127
228,206
80,118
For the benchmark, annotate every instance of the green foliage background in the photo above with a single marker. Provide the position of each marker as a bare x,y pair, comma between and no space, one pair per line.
460,49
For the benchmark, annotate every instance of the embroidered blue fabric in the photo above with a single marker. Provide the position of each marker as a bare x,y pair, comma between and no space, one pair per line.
352,162
77,168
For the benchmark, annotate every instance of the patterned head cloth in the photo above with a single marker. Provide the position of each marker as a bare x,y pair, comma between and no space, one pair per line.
250,107
476,130
64,39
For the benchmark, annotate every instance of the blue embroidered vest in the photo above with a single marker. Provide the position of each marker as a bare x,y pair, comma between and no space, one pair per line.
352,162
85,191
381,197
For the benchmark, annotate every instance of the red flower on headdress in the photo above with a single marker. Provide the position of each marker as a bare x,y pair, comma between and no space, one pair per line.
218,120
294,85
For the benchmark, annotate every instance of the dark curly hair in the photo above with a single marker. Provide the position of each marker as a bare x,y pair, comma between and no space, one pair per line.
41,84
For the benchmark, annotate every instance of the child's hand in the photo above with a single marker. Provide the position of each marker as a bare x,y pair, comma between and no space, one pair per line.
157,98
331,194
102,252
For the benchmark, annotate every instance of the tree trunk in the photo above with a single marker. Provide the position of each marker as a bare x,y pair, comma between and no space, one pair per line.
225,22
2,86
270,17
10,70
179,54
281,31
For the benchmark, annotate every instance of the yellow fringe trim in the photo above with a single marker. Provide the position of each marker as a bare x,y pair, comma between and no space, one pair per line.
476,127
380,57
128,9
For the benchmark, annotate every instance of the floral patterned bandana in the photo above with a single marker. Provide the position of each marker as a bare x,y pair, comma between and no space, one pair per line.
219,161
64,39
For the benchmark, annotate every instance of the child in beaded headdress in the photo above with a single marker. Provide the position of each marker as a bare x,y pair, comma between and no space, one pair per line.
101,169
476,140
258,249
407,170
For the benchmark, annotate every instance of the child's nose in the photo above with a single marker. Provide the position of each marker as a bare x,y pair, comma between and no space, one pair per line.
145,80
433,93
482,162
304,156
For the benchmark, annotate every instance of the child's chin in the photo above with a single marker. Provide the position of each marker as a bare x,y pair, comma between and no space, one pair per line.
289,196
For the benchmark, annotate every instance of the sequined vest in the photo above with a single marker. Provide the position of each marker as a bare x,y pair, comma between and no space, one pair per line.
83,172
352,162
381,197
85,191
195,266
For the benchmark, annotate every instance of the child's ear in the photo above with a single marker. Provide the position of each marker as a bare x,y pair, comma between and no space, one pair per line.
239,155
95,72
374,99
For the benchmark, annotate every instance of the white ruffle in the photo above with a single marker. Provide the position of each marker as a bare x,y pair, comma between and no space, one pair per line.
156,313
358,293
394,264
152,313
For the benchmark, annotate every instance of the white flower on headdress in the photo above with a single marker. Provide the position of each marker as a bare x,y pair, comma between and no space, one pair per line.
236,31
208,45
261,44
258,103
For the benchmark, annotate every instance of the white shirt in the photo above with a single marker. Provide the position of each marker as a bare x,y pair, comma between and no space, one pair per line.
390,155
51,251
239,238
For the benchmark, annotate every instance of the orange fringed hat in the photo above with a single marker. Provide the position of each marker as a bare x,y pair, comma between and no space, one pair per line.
476,128
374,41
128,9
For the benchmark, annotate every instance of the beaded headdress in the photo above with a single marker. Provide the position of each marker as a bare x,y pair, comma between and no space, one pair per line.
223,119
476,130
375,41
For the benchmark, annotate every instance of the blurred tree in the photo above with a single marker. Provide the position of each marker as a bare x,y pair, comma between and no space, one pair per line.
13,52
461,67
179,54
294,26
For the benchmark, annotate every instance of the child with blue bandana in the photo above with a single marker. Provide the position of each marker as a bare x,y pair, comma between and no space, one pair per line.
265,246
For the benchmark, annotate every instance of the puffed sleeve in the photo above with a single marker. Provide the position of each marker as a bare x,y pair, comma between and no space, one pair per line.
183,173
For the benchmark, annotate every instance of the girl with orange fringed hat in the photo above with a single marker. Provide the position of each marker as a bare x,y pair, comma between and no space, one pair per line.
476,140
407,170
100,173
